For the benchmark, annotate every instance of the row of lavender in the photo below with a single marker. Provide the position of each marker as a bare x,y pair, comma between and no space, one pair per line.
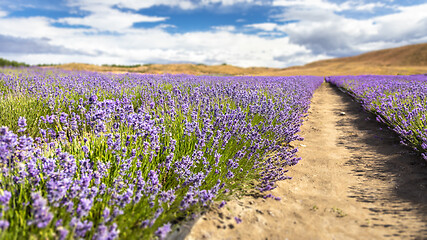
102,156
398,101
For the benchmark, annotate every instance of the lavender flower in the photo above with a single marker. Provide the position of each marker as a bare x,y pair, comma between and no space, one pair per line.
84,207
62,233
4,224
85,149
22,124
58,223
106,233
81,227
41,215
5,197
397,101
153,139
163,231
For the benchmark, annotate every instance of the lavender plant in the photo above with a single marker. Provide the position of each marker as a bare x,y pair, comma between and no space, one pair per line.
398,101
106,156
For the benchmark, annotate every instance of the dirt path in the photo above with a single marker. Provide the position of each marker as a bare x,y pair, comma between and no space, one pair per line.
355,182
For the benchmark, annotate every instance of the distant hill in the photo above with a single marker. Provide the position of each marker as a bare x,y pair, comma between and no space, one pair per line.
188,68
411,55
411,59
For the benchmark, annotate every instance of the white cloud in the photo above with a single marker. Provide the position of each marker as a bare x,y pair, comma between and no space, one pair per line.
409,23
369,7
18,45
317,4
156,45
91,5
137,4
263,26
116,20
322,30
226,28
3,13
325,32
229,2
326,5
19,27
106,15
165,26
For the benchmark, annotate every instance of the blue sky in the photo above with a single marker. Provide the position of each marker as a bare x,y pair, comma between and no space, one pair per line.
272,33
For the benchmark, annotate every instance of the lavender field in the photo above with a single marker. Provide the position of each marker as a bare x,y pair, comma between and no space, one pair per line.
398,101
106,156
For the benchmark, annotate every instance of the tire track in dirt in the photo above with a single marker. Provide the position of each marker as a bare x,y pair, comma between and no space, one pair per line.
355,181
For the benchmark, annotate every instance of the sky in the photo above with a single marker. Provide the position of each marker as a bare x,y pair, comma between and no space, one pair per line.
246,33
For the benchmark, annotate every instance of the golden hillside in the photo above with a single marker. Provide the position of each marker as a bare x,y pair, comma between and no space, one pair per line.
411,59
411,55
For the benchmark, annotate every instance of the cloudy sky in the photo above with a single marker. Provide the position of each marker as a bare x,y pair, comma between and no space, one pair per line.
273,33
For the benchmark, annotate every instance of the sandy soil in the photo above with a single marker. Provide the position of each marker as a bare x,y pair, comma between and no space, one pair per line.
355,182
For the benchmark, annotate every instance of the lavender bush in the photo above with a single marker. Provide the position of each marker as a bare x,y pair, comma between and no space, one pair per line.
398,101
106,156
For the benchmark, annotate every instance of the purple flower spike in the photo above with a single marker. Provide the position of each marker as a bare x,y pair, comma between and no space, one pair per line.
163,231
238,220
93,99
84,207
85,149
5,197
22,124
40,210
62,233
4,224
